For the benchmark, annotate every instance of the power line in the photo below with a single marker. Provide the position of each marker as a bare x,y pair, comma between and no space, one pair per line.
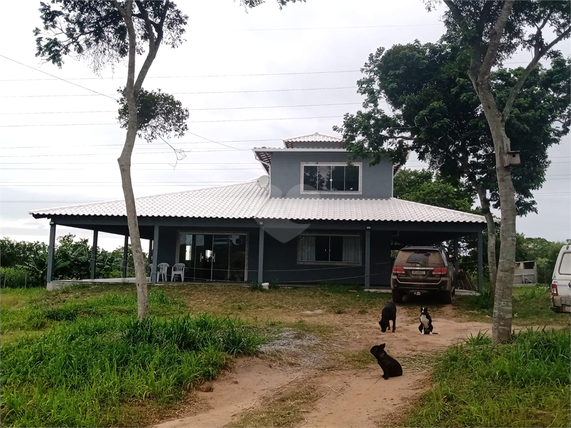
188,121
194,109
192,93
195,76
58,78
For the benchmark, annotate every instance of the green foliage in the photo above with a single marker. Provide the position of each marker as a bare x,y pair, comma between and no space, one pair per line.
438,116
256,286
421,186
13,277
541,250
27,262
89,371
97,31
524,383
158,115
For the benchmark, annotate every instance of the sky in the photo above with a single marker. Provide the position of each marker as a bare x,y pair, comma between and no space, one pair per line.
248,78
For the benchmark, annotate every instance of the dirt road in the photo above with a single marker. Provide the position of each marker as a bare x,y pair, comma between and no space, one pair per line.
346,396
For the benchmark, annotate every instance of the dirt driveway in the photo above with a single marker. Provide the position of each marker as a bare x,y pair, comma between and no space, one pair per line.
346,394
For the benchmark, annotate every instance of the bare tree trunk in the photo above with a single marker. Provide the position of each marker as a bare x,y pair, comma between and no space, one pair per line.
502,317
125,167
491,226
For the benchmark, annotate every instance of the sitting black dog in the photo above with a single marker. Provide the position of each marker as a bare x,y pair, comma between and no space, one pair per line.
425,326
390,366
389,313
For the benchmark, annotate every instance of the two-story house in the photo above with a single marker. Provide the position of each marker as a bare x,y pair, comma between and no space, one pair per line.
313,218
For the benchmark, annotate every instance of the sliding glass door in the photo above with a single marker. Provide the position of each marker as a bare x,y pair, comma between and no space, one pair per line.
213,257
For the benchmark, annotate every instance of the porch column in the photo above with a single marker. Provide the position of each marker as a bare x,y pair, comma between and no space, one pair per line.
125,256
155,255
368,258
261,255
480,262
456,257
51,249
94,253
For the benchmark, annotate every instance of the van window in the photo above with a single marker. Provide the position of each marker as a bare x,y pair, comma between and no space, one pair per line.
565,265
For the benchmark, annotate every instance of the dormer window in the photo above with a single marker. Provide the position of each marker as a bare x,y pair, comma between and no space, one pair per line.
334,177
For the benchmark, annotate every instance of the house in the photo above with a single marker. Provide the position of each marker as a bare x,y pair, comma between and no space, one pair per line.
312,218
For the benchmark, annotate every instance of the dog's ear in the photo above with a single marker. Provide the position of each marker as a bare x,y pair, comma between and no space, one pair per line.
382,346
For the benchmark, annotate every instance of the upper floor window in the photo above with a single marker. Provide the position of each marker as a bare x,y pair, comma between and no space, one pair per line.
331,177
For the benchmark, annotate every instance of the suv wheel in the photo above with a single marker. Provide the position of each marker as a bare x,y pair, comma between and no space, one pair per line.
397,296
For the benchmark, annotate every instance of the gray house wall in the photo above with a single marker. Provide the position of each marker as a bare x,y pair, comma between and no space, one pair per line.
281,262
377,181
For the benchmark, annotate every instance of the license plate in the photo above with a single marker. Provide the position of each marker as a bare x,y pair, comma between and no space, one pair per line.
417,272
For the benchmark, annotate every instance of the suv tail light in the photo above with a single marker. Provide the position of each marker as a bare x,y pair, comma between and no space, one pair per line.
439,271
554,290
398,269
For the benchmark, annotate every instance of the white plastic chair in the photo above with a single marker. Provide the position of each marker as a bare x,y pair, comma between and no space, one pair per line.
162,271
178,269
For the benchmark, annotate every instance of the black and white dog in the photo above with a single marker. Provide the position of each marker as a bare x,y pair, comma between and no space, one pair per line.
425,326
389,313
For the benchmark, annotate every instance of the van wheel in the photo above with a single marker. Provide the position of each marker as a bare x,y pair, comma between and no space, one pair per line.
447,297
397,296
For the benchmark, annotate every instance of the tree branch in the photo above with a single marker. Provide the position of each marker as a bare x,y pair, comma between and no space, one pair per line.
154,42
496,34
519,84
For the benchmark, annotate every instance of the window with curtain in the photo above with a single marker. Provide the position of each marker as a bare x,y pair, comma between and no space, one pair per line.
339,249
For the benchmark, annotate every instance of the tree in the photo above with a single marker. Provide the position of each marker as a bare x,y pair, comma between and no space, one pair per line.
107,32
421,186
437,115
479,45
490,32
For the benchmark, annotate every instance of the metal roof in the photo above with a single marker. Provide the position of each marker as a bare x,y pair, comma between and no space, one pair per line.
329,140
235,201
250,201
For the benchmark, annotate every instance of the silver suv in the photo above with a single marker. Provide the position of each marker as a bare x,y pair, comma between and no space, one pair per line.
423,270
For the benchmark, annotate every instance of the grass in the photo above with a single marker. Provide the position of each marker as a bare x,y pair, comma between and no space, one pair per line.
49,340
530,308
524,383
88,362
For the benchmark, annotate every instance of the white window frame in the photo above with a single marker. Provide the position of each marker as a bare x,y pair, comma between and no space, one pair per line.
330,192
330,263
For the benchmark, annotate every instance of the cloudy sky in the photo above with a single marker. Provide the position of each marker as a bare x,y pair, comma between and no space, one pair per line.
249,79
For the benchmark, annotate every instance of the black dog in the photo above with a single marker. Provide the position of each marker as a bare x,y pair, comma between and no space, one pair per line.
390,366
389,313
425,326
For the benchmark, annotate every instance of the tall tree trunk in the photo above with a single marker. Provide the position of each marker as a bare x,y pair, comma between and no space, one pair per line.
491,226
124,161
502,317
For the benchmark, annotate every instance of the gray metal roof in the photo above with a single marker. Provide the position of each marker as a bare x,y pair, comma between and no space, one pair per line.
250,201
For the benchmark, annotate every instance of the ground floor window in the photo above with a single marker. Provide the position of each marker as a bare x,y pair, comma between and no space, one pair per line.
345,249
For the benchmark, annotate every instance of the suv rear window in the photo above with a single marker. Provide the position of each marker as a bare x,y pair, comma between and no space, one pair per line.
419,258
565,266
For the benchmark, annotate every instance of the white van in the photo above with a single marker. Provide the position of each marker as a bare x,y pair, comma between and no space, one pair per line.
561,282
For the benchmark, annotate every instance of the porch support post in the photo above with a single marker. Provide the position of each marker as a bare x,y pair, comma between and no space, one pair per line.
480,262
155,255
125,256
51,250
94,253
368,258
456,257
261,255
